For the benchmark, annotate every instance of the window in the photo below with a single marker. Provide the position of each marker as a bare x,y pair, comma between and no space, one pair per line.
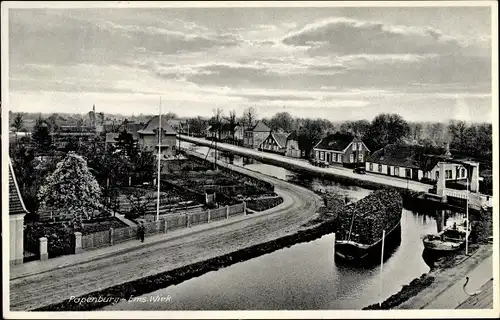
317,154
334,157
396,171
380,168
339,158
360,146
408,173
437,175
322,155
448,174
463,173
351,158
354,146
360,157
370,167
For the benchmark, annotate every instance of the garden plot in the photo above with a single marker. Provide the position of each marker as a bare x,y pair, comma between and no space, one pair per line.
137,202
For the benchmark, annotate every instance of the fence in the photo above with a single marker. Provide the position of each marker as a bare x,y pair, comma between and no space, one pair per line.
166,223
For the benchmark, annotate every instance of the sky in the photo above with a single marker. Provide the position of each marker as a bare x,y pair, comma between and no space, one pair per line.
427,64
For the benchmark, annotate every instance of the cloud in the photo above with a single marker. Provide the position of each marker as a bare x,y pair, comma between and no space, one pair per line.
348,36
40,36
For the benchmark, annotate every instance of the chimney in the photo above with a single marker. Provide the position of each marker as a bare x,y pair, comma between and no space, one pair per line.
447,152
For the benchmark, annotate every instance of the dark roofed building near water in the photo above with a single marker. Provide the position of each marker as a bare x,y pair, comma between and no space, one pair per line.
341,149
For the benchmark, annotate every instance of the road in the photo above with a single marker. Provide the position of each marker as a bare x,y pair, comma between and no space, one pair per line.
339,171
59,284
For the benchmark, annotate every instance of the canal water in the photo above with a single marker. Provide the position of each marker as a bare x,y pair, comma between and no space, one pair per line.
304,276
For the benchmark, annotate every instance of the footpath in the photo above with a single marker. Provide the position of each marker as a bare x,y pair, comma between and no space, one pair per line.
38,267
447,292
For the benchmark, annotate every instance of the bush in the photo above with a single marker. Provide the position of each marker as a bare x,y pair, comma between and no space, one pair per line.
264,204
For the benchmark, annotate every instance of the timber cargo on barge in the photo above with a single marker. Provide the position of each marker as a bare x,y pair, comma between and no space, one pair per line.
361,226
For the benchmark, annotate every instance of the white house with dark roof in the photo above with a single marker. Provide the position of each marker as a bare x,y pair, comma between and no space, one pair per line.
275,142
148,136
17,211
341,148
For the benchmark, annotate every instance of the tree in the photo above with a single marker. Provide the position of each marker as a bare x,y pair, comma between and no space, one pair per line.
249,117
18,122
170,116
41,135
387,129
458,135
197,125
71,189
358,128
282,121
126,143
144,165
140,200
115,168
309,134
416,131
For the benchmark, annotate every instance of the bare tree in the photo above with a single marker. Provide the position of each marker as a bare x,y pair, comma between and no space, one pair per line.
249,116
232,122
139,200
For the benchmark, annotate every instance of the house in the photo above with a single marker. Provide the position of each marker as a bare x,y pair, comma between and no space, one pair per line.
292,146
254,136
239,132
17,211
341,148
148,136
415,163
275,142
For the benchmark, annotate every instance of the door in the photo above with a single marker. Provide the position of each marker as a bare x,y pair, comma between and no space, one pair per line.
414,174
328,157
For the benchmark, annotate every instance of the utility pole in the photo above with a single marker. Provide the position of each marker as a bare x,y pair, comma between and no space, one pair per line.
159,166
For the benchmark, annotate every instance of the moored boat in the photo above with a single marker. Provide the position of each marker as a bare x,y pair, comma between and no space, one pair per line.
361,227
450,239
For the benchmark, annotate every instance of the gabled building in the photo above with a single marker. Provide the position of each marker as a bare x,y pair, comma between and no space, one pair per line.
148,136
342,149
292,146
17,211
254,136
275,142
415,163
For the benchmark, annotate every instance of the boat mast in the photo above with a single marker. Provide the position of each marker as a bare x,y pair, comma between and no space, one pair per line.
159,160
350,229
382,264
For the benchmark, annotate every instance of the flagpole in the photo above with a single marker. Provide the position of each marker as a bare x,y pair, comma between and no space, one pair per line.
159,160
467,219
382,264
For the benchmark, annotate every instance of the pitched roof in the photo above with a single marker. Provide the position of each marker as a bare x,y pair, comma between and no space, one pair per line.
336,142
280,138
261,127
16,204
406,156
153,124
292,136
